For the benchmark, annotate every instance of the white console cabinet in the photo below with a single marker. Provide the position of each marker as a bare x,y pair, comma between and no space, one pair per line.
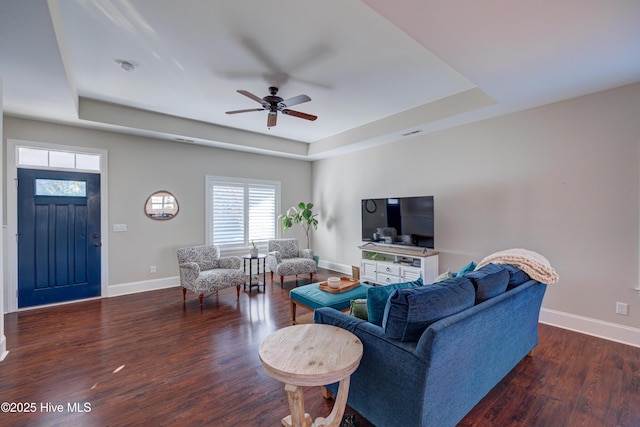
386,264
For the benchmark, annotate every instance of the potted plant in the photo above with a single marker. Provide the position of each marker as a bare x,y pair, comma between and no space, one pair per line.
303,215
253,250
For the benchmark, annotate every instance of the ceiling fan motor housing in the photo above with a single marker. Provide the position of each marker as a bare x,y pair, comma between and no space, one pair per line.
273,99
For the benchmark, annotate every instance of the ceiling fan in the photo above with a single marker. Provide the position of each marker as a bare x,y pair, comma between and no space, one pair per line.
273,103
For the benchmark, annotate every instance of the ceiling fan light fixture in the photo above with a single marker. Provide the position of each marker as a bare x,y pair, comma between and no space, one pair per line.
273,103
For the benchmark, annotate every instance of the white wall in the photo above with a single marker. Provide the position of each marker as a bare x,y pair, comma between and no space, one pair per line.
139,166
561,180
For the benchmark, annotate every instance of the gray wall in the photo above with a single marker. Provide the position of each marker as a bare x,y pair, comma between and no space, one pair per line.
139,166
561,180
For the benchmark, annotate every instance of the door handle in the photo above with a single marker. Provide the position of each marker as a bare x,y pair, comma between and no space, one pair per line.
96,244
95,236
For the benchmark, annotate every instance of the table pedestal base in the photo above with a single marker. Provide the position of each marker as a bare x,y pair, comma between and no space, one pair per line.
299,418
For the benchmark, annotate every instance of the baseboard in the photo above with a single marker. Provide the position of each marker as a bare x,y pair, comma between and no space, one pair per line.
597,328
143,286
334,266
3,348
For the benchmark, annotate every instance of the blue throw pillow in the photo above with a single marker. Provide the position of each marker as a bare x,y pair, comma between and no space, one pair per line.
516,276
377,297
466,269
410,311
489,281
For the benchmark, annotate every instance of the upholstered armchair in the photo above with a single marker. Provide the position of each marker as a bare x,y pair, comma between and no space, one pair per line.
202,271
287,259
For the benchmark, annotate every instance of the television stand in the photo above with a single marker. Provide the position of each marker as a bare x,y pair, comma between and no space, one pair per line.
385,264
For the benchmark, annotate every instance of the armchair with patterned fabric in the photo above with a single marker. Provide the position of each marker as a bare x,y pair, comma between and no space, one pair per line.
203,270
285,258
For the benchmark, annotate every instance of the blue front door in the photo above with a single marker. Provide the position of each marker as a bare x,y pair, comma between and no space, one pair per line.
58,236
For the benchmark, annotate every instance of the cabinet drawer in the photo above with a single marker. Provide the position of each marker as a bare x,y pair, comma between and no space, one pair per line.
368,270
391,269
410,274
387,279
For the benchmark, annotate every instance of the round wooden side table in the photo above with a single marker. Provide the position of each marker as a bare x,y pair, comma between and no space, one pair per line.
311,355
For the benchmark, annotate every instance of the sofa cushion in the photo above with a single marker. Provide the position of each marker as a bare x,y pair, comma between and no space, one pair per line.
377,297
359,308
516,276
444,276
489,281
410,311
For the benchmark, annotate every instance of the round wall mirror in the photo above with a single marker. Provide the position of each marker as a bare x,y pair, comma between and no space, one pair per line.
161,205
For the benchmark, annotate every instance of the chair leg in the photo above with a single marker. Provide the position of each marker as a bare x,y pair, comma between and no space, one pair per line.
272,277
184,294
238,291
201,298
282,281
310,277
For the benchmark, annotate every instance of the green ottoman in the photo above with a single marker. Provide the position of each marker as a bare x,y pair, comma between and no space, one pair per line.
312,297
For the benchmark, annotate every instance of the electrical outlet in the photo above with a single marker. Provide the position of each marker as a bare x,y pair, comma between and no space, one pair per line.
152,269
622,308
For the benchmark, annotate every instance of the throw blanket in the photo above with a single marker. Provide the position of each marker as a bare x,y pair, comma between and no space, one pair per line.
532,263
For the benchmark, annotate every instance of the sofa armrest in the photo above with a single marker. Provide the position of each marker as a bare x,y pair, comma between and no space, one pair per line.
306,253
230,262
189,272
273,259
368,333
388,386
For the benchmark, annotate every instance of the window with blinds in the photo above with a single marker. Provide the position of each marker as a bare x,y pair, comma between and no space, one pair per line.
241,211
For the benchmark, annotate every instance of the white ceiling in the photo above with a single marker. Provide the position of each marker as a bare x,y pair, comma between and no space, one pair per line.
374,69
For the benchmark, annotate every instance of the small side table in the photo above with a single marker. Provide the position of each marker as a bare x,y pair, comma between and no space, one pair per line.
258,258
311,355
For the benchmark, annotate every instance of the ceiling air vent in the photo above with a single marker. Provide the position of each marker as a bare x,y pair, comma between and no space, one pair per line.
413,132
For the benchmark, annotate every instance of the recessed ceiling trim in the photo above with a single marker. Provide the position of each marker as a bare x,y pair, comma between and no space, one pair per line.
468,100
129,117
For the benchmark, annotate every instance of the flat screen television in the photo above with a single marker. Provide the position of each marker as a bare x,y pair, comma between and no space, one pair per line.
405,221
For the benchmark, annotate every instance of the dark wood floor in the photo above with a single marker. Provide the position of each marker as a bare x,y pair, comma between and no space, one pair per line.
146,359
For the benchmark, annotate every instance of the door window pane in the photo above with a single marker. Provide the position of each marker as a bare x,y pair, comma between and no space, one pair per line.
61,188
88,162
33,157
62,159
58,159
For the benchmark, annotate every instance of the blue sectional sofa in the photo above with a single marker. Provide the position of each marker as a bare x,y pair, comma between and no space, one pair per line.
440,348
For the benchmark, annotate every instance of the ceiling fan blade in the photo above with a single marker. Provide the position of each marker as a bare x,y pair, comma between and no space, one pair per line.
245,111
252,96
299,114
271,119
293,101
